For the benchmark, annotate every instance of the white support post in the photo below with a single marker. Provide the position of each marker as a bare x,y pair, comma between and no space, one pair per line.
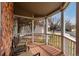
62,30
63,33
46,30
16,27
32,31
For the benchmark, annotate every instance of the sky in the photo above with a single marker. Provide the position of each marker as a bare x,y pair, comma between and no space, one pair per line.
69,13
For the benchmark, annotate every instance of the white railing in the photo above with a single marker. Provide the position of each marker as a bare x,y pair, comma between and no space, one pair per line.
69,45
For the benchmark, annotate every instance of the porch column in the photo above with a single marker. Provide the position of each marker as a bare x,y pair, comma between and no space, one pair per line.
77,29
16,27
1,43
32,31
7,26
46,30
62,30
17,30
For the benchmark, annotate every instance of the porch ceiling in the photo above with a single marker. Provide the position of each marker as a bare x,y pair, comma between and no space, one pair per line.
38,9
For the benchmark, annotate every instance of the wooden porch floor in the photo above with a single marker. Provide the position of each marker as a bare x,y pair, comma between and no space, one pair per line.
44,50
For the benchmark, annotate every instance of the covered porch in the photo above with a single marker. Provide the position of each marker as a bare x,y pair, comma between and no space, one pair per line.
31,36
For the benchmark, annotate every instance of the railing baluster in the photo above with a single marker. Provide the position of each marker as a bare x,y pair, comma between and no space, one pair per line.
53,40
67,47
70,48
57,41
60,42
74,49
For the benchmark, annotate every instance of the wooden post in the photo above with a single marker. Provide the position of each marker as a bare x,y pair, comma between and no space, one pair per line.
32,31
46,30
62,29
77,29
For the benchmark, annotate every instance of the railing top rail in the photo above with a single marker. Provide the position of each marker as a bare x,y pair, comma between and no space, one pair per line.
65,36
70,38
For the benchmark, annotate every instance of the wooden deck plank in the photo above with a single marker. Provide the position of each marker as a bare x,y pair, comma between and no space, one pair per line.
51,50
37,49
46,50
